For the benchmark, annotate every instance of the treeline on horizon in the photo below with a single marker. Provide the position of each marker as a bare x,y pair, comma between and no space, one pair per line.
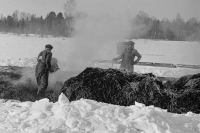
61,25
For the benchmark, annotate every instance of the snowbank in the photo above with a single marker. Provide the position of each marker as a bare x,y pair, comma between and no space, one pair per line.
88,116
19,62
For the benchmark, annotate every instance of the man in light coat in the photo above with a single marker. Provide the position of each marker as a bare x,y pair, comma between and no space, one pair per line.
128,57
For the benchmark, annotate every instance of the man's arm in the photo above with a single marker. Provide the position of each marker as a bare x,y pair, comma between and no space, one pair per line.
139,56
40,54
119,57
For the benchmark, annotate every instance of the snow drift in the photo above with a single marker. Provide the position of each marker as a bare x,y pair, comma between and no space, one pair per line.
89,116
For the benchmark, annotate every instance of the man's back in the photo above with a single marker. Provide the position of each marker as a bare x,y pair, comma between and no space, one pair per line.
46,57
44,54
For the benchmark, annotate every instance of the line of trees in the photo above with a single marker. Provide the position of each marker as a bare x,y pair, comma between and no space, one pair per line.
57,25
53,24
178,30
26,23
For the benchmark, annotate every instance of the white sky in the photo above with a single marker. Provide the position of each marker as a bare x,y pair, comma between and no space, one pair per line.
158,8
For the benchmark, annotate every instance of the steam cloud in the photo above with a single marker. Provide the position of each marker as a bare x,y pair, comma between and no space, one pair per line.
96,35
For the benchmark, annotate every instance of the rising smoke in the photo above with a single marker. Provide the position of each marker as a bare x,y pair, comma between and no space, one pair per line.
96,34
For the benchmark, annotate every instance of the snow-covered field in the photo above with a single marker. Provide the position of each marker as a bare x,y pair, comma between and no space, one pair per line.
87,116
75,54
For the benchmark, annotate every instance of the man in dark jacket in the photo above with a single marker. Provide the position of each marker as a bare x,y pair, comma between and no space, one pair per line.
43,68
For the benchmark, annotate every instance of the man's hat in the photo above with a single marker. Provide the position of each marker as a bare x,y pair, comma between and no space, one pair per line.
49,46
131,43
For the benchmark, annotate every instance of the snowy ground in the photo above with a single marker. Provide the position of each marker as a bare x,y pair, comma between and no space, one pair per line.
87,116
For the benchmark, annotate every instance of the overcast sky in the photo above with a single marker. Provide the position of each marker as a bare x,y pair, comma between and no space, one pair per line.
157,8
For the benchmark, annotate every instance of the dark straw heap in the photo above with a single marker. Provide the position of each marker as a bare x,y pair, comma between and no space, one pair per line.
120,88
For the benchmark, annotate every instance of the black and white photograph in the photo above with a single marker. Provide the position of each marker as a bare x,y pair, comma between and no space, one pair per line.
99,66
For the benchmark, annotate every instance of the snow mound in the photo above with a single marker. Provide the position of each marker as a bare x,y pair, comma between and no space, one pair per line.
20,62
74,117
25,62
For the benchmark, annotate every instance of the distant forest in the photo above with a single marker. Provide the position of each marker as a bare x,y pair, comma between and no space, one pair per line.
61,25
26,23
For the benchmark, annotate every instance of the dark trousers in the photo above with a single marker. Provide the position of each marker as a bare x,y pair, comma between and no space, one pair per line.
41,74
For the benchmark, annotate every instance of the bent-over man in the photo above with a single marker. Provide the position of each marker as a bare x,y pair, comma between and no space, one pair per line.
43,68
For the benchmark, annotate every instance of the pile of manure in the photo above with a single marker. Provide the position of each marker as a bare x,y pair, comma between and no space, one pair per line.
118,87
186,94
